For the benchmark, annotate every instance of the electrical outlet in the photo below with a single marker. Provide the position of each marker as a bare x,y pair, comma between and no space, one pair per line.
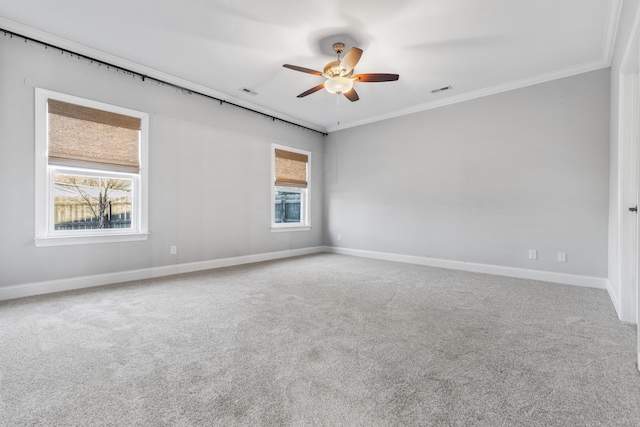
339,237
562,257
174,250
533,254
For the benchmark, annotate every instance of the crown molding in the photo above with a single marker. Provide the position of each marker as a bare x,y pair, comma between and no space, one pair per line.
615,9
493,90
630,55
69,45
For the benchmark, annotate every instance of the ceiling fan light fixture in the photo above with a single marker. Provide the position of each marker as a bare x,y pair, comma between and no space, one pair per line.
338,85
340,76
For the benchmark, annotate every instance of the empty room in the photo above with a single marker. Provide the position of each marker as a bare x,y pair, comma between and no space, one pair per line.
319,213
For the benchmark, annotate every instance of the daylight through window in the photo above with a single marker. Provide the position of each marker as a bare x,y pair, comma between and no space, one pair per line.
92,178
290,188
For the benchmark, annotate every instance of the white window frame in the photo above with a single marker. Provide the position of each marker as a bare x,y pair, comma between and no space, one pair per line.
45,234
305,194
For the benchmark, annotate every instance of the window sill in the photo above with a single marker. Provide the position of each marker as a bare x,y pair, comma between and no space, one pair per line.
290,228
89,240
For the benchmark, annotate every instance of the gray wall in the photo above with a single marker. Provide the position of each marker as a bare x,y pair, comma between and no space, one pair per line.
209,174
481,181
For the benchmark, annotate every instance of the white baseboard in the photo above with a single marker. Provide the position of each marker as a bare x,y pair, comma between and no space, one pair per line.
39,288
521,273
46,287
614,299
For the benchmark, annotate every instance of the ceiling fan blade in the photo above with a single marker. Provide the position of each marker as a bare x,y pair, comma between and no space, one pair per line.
375,77
312,90
352,95
302,69
351,59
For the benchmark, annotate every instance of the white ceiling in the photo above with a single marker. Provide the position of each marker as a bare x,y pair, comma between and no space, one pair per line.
220,46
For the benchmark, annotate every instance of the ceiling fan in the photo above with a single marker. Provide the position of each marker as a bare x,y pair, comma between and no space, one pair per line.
339,74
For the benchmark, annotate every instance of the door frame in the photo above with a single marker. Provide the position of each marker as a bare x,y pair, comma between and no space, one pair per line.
629,180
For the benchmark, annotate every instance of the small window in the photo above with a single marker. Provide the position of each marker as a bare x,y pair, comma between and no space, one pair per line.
90,164
290,189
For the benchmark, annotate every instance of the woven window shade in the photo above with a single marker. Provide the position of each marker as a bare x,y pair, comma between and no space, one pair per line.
291,169
87,137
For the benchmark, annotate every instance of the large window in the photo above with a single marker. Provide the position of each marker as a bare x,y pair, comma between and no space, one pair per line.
90,171
290,189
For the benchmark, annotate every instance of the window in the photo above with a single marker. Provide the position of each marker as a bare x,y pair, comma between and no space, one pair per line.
90,171
290,189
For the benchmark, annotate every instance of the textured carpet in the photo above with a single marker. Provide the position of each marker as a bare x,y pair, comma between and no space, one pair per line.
319,340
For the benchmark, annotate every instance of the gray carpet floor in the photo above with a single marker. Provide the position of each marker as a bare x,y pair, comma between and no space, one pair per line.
319,340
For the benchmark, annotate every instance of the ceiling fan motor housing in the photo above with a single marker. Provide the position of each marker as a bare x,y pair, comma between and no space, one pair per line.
332,68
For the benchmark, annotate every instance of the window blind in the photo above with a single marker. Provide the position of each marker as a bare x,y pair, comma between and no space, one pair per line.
291,169
87,137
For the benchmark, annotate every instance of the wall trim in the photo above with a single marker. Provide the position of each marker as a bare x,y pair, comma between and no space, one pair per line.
69,45
51,286
72,283
608,44
614,299
493,90
615,9
605,61
520,273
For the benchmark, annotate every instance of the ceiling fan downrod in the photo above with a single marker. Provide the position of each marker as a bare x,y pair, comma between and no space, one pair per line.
338,48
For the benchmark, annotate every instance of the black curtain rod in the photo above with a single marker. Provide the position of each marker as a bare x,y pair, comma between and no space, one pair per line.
145,77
